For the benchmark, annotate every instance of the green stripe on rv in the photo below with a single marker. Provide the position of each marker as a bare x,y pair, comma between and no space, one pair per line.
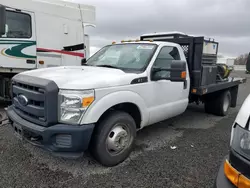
16,51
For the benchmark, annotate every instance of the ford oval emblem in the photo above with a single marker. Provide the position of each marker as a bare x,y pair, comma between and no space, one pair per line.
22,100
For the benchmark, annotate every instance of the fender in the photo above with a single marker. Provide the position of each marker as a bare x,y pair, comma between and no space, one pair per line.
103,104
243,114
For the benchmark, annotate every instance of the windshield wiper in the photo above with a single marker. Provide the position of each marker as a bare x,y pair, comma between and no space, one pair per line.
108,66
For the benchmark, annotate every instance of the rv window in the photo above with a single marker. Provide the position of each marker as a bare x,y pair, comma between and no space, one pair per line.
18,24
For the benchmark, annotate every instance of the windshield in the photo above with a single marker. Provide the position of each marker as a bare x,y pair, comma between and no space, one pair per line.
123,56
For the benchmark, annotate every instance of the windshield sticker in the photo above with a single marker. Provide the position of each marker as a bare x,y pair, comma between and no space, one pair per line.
145,47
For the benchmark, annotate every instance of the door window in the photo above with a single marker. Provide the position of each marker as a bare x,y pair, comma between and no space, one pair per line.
18,25
164,60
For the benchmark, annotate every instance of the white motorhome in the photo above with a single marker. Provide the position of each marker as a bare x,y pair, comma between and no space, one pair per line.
40,34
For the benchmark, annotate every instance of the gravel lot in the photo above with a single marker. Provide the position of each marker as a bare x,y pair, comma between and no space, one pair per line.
201,139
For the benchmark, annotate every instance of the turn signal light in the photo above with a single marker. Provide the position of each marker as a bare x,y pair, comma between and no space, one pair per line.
183,74
231,173
41,62
87,101
243,182
236,177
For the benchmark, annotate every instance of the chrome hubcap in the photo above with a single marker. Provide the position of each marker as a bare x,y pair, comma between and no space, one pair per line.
118,139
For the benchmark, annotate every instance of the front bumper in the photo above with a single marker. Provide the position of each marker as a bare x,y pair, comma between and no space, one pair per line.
236,170
221,180
61,139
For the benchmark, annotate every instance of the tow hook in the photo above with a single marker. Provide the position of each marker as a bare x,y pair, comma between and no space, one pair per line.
4,121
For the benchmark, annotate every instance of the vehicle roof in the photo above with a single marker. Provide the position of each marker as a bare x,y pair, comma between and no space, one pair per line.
163,33
154,42
69,10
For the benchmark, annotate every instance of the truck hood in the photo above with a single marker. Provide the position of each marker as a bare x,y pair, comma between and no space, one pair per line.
84,77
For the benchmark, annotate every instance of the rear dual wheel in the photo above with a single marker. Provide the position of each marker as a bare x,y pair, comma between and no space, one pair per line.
219,104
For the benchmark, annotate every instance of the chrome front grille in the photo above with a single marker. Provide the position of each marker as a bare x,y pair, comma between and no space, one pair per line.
35,108
40,105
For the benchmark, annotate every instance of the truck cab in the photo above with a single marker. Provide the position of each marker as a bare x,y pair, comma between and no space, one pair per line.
39,34
122,88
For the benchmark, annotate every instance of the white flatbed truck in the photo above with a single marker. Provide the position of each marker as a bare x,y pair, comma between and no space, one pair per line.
122,88
39,34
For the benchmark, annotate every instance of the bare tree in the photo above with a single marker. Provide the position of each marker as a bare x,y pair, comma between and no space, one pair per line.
241,60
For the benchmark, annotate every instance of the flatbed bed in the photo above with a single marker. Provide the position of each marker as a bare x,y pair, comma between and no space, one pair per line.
232,82
210,81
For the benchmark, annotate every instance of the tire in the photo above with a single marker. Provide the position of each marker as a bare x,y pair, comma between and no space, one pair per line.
209,107
116,128
224,103
220,104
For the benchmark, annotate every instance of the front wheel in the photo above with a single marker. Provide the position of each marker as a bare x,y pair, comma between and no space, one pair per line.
113,138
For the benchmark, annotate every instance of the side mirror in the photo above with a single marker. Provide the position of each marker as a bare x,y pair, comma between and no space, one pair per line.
2,19
176,72
83,61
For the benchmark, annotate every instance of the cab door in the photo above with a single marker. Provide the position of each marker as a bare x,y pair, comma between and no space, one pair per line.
170,98
18,44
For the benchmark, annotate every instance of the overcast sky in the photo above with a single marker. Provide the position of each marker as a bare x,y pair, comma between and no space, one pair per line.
228,21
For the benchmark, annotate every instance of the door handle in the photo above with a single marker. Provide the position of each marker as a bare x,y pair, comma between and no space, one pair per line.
163,81
29,61
185,84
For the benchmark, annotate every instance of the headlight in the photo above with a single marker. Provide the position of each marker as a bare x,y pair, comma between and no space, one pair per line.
73,104
241,141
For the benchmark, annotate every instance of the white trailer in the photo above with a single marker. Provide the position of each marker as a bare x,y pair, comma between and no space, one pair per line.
230,61
40,34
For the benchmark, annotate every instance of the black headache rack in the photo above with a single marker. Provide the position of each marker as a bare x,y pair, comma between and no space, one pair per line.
201,56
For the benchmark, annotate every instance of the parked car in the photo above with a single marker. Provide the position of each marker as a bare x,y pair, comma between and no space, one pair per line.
235,169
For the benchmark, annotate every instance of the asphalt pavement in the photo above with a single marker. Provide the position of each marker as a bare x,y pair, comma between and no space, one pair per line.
185,151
